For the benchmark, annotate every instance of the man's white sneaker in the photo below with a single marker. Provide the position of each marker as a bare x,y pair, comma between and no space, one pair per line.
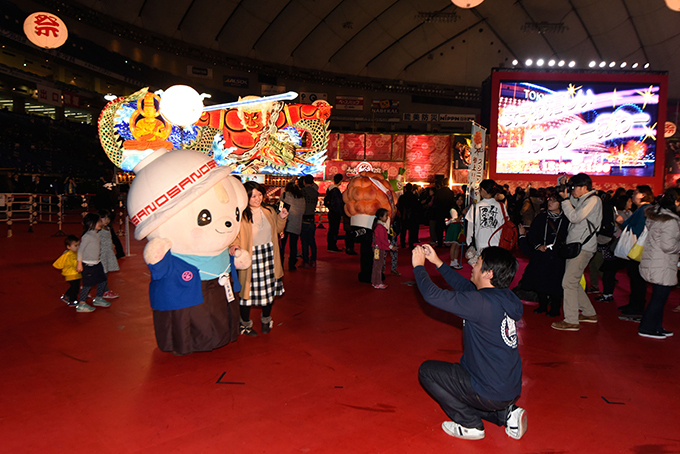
456,430
516,423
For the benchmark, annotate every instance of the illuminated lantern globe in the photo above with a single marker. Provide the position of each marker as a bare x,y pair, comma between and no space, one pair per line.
473,3
45,30
673,4
181,105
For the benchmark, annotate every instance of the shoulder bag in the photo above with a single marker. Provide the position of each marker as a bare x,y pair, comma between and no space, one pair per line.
571,250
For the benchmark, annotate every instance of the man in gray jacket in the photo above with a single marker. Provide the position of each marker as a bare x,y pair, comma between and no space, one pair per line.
584,211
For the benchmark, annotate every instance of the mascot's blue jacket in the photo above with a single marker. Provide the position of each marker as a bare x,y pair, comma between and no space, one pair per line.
176,284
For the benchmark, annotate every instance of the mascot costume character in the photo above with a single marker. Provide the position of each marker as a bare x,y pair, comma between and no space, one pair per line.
189,209
365,194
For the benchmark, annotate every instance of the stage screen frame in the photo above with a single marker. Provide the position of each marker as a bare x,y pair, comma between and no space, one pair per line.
579,78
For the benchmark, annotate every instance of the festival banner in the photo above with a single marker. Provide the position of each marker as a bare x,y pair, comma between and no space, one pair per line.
476,167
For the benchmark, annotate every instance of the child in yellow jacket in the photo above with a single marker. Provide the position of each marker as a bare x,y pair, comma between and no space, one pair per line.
67,264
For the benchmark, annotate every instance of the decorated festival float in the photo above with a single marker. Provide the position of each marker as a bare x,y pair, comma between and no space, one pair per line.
254,136
186,202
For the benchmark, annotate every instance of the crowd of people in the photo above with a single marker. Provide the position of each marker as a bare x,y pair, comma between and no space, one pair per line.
562,230
569,231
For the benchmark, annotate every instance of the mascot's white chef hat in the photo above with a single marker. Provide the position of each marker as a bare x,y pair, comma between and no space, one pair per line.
165,183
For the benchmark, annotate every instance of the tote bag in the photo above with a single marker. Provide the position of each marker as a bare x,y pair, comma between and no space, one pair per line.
626,242
635,252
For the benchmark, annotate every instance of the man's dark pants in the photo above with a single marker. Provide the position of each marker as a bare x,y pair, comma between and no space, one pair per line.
411,227
450,386
308,240
334,220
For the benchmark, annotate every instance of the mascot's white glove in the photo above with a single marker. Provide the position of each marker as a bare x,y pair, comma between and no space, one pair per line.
156,249
242,259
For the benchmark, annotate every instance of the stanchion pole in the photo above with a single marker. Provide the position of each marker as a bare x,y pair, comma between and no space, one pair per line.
31,212
61,200
10,200
127,235
83,204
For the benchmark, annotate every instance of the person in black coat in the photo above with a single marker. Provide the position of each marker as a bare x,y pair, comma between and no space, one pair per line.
408,212
545,270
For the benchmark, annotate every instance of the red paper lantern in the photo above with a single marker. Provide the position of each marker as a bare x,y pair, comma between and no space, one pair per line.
466,3
45,30
673,4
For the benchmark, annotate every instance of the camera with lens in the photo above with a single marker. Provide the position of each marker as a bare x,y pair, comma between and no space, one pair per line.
564,184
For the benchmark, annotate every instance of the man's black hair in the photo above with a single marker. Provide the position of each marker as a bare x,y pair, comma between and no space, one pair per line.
489,186
581,179
337,178
502,263
309,179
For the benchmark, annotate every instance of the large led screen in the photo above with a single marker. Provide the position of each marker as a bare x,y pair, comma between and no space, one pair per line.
604,125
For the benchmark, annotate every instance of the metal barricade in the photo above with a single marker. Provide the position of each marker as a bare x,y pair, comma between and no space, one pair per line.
49,209
19,207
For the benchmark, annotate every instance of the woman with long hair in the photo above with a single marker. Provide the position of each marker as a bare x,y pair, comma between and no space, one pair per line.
260,228
642,196
659,264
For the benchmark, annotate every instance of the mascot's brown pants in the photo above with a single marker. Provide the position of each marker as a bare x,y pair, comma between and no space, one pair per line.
202,328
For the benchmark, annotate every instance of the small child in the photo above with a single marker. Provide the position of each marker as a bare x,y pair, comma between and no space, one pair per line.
90,265
107,255
67,263
381,245
454,234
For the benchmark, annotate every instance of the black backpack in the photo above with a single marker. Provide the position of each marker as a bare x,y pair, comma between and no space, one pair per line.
608,226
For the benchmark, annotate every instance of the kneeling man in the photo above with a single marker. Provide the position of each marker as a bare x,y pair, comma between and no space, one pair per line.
488,380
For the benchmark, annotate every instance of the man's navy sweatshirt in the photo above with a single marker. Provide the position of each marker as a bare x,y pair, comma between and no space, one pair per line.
490,341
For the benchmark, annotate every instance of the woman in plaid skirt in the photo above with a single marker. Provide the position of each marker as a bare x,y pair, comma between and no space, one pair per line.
260,229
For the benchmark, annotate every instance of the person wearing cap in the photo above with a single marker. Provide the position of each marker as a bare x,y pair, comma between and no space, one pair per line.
583,209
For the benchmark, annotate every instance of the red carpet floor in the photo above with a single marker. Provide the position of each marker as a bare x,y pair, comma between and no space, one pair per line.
337,374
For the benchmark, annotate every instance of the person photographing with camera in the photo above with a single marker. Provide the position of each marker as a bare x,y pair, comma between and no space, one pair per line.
487,381
583,209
